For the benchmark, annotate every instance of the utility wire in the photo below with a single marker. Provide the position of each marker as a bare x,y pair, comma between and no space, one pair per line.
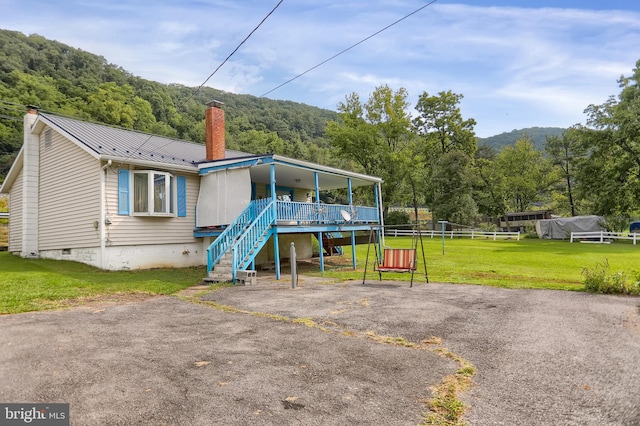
349,48
181,105
232,53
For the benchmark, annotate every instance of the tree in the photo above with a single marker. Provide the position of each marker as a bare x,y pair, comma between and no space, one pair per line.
445,137
113,104
528,175
491,189
441,124
452,188
566,151
376,136
610,175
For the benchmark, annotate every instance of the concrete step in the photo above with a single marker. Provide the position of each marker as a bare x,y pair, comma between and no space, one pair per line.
222,269
219,277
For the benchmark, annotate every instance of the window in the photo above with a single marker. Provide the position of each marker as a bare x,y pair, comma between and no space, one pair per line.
154,193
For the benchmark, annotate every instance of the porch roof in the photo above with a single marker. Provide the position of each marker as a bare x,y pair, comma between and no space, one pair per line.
291,172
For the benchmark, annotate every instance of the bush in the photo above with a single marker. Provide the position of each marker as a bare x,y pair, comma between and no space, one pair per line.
488,227
599,280
530,232
396,218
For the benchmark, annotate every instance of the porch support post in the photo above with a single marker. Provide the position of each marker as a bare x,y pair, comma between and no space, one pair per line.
317,184
353,233
377,191
276,250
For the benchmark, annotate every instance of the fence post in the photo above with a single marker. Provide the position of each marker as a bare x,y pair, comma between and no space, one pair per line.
494,235
601,237
571,240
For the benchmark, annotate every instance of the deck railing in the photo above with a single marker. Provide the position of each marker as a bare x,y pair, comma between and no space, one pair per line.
245,235
306,213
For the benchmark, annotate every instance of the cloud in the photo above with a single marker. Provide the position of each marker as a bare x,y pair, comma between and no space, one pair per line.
515,65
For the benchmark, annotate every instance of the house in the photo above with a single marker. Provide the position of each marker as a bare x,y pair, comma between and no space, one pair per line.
120,199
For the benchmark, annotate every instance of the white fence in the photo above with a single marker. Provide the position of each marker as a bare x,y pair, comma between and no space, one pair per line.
450,234
603,236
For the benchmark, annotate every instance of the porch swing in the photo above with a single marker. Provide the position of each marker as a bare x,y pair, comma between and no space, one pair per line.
400,260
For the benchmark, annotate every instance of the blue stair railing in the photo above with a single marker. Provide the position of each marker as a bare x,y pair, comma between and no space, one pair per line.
337,249
231,233
255,236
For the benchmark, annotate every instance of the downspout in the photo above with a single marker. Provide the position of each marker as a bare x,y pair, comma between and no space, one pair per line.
353,233
103,217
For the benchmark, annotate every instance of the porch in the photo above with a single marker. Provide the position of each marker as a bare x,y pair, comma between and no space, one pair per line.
249,201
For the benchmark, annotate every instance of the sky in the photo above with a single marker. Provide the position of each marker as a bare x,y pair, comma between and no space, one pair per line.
517,64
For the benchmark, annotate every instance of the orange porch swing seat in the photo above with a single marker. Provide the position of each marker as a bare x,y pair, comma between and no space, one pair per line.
397,260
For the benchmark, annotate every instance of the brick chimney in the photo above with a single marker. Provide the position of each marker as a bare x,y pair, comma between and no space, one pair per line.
214,121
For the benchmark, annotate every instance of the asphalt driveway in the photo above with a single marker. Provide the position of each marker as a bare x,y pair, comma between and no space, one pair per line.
542,357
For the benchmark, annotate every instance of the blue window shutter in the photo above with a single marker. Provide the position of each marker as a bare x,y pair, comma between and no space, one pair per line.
123,191
182,196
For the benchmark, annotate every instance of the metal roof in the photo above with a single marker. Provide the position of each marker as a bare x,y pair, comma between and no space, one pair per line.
131,145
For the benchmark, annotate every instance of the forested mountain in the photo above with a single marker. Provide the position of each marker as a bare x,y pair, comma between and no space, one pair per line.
61,79
538,136
428,159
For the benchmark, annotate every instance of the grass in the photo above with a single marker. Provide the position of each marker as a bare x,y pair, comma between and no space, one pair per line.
38,284
528,263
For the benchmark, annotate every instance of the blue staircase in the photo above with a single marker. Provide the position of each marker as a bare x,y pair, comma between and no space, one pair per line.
328,247
238,245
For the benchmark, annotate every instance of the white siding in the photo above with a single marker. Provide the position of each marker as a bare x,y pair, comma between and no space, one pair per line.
69,195
15,215
138,230
299,194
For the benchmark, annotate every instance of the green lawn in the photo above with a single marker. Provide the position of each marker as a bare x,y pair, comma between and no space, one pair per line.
37,284
528,263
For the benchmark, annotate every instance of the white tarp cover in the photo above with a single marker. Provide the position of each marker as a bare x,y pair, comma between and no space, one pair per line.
223,196
561,228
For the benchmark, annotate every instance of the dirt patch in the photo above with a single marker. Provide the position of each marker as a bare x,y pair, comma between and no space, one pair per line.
100,301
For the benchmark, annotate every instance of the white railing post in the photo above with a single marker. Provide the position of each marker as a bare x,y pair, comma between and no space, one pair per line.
601,236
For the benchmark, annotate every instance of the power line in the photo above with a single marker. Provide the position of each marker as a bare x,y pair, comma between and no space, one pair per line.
349,48
181,105
232,53
10,117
